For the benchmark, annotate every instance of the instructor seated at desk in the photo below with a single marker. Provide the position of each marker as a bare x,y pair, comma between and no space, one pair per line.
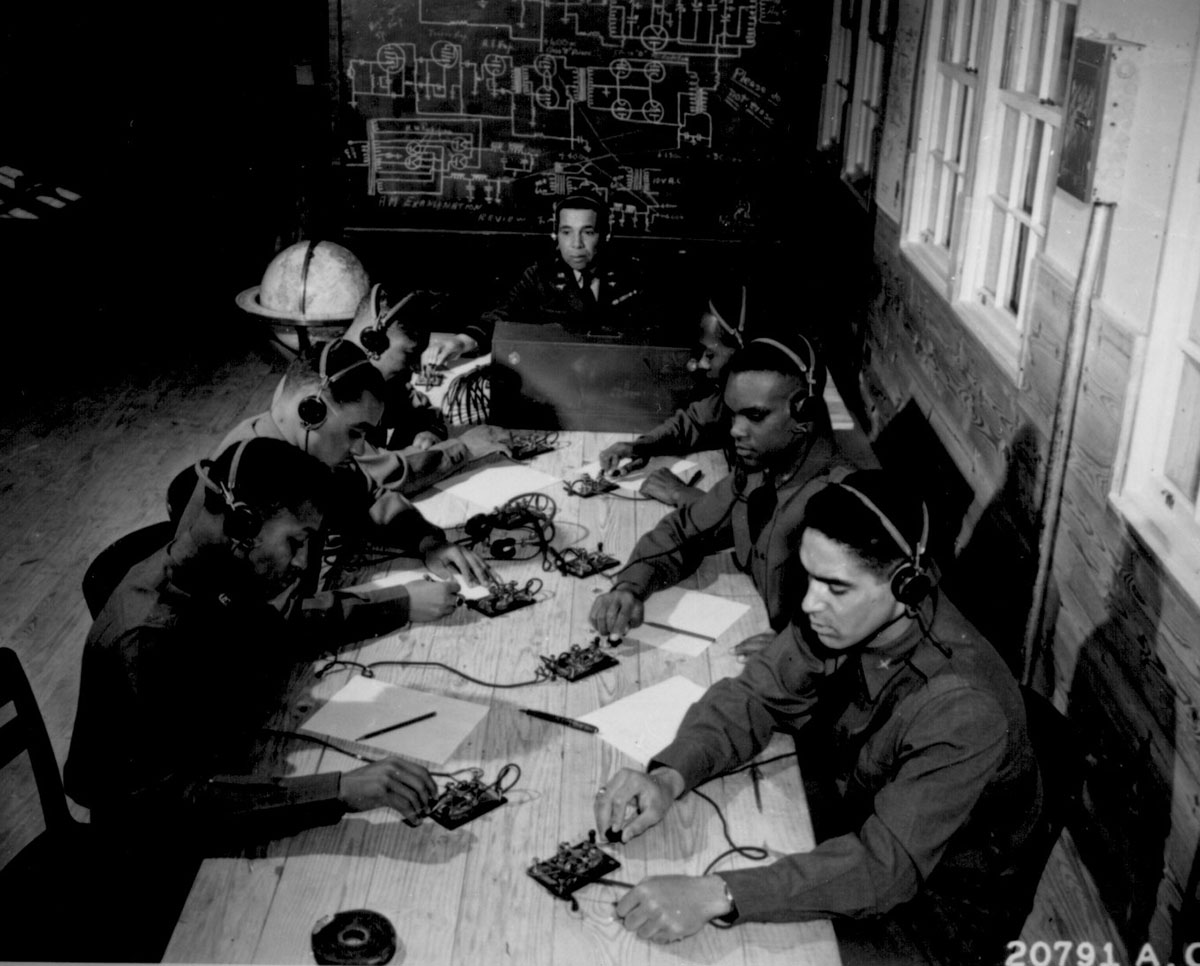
187,661
914,726
785,451
581,286
704,424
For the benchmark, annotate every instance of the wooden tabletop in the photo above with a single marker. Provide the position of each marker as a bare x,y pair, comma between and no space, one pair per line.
463,896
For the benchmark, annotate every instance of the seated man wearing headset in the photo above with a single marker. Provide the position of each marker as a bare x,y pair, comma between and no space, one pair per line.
918,734
704,423
326,404
185,664
785,452
393,335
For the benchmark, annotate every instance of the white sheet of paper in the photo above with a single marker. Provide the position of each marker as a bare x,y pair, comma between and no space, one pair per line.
491,486
643,724
411,572
365,704
704,615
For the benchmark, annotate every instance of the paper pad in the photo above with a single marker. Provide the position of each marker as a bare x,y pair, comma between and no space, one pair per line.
644,723
492,486
365,704
702,616
410,572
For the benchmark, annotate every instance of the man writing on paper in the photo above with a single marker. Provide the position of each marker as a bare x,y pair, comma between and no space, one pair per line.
327,403
912,726
186,662
785,452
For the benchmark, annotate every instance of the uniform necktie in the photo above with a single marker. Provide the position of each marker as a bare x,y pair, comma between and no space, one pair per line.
760,507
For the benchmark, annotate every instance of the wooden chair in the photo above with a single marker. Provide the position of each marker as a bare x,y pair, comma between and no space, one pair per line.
115,560
1060,760
73,893
40,923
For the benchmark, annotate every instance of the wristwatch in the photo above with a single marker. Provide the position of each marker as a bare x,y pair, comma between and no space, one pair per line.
730,917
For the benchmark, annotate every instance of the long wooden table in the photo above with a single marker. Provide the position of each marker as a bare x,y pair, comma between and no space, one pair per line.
463,896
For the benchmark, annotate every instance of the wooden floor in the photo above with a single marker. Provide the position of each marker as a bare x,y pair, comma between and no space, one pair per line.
79,469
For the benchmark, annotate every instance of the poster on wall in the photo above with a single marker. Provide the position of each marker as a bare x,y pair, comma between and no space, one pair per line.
901,86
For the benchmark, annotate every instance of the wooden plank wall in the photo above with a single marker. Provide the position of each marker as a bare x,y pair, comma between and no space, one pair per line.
1123,655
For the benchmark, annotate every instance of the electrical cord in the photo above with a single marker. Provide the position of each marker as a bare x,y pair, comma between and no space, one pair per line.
468,397
367,671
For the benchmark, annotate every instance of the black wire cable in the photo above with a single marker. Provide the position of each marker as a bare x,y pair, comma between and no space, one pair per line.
755,853
367,671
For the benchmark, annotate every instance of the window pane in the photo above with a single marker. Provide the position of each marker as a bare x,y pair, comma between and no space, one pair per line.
1017,269
949,22
1058,89
1183,457
1033,157
1008,147
1194,329
995,241
1039,14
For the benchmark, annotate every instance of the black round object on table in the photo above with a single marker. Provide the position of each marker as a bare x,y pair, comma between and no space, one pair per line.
356,937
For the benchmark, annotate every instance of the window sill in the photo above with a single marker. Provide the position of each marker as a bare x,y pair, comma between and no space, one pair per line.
992,328
996,333
1171,536
931,262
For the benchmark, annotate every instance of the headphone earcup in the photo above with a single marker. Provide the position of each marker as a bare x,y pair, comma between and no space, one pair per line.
504,549
242,522
374,342
911,584
312,411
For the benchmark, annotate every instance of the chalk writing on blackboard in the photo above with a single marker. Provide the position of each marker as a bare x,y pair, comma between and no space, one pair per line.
500,103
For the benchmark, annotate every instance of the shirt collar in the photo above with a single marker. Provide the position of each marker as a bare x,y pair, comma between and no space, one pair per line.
911,649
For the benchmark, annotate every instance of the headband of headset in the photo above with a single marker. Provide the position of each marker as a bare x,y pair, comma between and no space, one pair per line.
912,580
807,369
241,519
374,338
313,409
741,326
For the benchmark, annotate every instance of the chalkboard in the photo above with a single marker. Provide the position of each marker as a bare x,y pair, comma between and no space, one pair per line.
475,114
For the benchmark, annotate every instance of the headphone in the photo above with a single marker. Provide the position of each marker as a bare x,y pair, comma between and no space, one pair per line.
807,370
374,338
741,326
242,521
313,410
912,580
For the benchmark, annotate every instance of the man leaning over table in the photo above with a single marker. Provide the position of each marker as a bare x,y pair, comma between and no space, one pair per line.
784,452
914,725
326,404
393,333
186,662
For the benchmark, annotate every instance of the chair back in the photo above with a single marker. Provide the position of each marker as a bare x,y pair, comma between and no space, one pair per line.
1060,761
25,731
115,561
